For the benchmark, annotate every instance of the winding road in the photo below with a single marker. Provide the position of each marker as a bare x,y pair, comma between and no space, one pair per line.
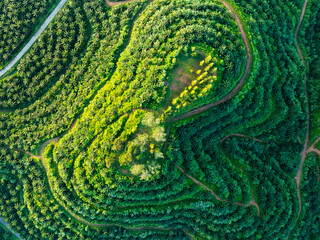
251,203
33,39
305,150
199,183
240,84
234,91
191,113
243,136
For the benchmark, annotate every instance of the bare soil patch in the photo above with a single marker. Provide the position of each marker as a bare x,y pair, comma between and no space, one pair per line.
182,77
111,4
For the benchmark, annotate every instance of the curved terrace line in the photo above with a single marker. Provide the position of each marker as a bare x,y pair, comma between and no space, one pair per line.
253,201
46,170
38,33
233,92
189,114
243,79
305,151
33,39
243,136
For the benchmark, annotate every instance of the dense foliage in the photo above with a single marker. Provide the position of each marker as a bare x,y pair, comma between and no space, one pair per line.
90,150
6,234
311,43
18,20
60,45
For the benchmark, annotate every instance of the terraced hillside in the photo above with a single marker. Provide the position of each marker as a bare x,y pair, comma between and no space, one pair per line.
18,21
165,119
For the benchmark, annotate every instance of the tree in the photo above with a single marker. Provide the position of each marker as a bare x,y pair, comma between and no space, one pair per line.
158,134
137,169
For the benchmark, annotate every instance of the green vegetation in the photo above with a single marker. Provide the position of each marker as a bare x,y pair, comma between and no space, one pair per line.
18,22
191,81
167,119
6,234
57,47
311,43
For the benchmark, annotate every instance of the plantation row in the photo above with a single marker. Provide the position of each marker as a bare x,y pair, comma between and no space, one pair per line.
63,171
125,92
18,21
99,217
29,207
54,112
309,226
59,45
107,178
199,87
274,186
266,167
265,121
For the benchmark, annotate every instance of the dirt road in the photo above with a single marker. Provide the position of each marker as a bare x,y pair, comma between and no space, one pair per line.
111,4
242,80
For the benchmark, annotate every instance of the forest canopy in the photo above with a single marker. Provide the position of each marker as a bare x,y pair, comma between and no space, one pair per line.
164,119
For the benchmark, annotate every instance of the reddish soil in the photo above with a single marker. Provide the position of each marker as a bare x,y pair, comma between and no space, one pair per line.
315,143
182,81
111,4
230,95
315,150
299,139
182,77
57,138
297,31
186,115
305,149
254,203
251,203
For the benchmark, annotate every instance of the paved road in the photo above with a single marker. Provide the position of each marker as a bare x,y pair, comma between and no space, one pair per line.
6,225
33,39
